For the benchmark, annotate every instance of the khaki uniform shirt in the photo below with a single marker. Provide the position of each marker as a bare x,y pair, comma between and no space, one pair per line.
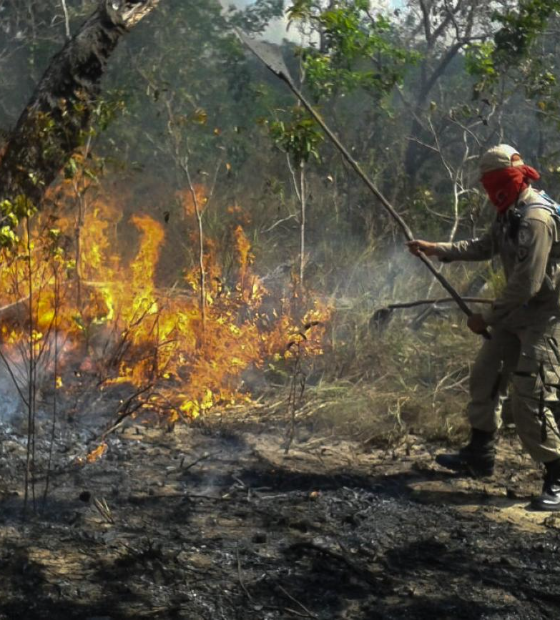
529,248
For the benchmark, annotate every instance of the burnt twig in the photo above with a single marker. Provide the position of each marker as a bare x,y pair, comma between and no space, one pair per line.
103,509
205,456
294,600
183,468
243,586
363,573
126,410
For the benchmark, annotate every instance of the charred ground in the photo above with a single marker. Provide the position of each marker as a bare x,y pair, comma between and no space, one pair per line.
216,521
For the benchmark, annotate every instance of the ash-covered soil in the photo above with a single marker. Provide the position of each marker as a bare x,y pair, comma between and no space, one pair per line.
217,522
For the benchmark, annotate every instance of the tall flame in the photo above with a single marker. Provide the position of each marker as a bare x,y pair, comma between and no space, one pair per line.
73,279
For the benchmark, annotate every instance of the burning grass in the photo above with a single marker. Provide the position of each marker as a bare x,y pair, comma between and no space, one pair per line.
73,301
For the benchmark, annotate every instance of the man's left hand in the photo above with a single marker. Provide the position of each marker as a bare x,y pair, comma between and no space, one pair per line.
476,323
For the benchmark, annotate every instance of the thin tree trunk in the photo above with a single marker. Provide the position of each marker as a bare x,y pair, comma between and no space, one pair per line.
55,383
31,386
302,222
201,267
200,230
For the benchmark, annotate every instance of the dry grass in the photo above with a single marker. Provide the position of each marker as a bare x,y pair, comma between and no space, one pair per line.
409,383
381,382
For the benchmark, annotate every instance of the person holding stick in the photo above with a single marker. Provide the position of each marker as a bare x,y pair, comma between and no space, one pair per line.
524,322
531,298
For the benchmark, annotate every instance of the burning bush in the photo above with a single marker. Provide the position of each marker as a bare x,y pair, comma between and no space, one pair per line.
69,286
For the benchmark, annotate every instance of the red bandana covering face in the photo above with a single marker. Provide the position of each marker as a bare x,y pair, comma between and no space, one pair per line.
504,185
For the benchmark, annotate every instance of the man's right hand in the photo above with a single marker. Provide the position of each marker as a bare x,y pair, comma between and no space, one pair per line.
425,247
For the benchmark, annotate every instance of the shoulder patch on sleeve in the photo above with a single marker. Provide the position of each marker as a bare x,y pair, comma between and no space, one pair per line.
524,236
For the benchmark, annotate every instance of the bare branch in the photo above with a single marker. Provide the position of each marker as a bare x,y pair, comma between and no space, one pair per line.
66,20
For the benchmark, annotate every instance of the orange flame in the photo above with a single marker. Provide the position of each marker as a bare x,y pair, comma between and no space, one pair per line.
96,454
134,330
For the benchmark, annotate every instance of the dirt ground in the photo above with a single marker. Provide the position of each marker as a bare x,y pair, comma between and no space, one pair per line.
215,521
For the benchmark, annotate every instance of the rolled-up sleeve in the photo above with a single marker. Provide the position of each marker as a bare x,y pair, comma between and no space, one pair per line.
535,240
482,248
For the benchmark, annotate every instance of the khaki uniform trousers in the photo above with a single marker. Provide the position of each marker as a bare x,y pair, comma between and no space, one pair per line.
529,358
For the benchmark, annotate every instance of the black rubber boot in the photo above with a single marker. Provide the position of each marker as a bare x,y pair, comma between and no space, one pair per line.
476,459
550,497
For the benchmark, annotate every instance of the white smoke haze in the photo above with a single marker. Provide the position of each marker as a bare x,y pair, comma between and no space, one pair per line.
278,29
10,403
14,376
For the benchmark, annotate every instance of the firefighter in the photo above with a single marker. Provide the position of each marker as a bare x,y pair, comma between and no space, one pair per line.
524,322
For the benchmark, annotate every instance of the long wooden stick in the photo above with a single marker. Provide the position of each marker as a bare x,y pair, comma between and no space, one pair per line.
432,302
271,59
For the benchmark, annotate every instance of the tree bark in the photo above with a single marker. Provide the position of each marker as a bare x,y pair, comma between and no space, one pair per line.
55,121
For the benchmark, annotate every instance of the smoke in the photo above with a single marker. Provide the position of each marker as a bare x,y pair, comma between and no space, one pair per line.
278,29
14,376
10,406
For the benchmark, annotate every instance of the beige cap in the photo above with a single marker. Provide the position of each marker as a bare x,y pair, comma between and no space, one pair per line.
499,157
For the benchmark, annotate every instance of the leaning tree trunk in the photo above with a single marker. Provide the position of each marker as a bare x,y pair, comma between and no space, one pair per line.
52,125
